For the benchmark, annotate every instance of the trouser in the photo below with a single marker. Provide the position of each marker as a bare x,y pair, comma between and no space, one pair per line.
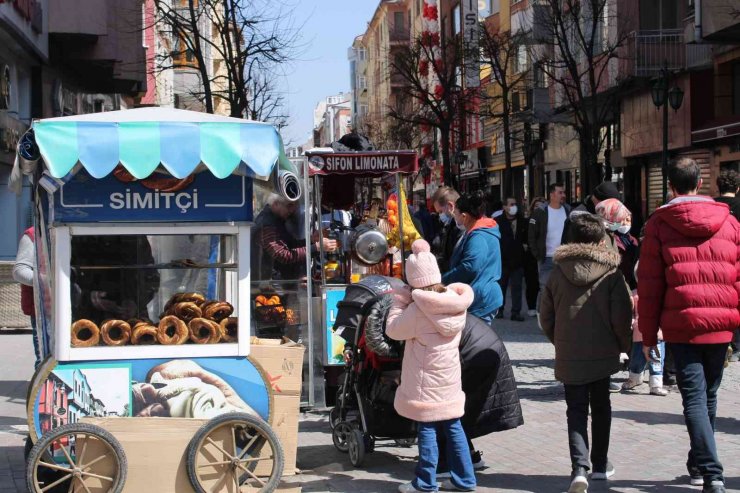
532,280
458,456
578,399
442,445
545,268
638,361
36,342
699,370
516,277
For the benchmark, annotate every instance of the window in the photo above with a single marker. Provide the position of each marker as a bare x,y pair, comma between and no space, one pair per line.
362,54
520,61
736,88
659,15
363,109
456,20
183,56
398,22
362,82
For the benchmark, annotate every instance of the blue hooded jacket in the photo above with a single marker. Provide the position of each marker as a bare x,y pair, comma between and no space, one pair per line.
476,260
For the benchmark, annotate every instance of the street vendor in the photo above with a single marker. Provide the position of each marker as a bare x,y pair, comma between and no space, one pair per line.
100,294
276,253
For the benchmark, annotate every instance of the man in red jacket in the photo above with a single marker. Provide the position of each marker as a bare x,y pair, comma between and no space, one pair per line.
688,286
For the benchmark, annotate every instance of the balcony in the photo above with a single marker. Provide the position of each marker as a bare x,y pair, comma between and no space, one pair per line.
399,36
647,52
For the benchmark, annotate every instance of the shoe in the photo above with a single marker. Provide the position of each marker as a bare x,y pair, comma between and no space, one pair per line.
532,313
447,485
407,488
517,318
669,381
478,462
659,391
634,381
614,387
578,480
714,487
600,474
695,477
500,314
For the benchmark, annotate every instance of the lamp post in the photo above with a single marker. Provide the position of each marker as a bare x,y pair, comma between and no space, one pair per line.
662,97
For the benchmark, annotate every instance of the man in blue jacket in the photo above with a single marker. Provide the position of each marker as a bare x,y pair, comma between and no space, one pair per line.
476,259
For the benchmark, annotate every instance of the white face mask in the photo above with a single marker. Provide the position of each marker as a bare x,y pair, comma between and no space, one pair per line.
460,226
624,229
513,210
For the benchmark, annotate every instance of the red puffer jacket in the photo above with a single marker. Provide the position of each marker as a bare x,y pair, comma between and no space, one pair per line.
689,273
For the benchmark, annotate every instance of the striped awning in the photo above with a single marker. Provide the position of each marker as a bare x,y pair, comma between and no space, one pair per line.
143,139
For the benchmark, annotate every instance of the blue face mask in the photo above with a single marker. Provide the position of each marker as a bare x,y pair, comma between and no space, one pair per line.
445,218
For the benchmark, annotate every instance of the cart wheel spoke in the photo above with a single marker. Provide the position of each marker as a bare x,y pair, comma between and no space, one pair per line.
236,480
66,454
97,476
94,461
56,467
249,445
251,474
211,464
58,481
87,490
81,457
210,440
256,459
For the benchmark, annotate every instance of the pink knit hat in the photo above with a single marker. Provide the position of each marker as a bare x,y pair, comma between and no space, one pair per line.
421,266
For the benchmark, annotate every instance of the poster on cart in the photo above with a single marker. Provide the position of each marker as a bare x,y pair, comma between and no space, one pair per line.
181,388
334,343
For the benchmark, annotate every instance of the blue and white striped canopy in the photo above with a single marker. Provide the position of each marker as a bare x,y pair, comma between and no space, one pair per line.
145,138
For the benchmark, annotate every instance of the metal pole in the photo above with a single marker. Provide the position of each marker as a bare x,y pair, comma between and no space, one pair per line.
665,136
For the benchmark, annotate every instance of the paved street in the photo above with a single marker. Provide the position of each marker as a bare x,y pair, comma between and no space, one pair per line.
649,440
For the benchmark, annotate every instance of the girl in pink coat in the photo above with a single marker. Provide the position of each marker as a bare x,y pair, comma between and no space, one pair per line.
430,318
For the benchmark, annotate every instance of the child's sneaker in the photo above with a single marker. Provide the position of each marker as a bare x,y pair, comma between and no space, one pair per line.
448,485
601,474
478,462
578,480
634,381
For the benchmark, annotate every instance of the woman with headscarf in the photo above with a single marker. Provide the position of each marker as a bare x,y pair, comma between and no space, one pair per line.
618,222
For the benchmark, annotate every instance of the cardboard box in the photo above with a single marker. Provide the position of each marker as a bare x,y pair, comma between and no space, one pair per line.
156,451
283,368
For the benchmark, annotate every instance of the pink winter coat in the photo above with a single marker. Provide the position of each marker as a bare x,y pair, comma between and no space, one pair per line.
431,324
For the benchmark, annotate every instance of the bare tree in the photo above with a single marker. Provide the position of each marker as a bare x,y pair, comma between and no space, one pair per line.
423,105
500,52
581,39
237,47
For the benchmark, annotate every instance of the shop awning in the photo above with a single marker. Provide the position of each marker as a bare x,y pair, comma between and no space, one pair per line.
143,139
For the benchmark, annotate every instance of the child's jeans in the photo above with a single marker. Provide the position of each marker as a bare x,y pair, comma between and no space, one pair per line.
638,362
458,456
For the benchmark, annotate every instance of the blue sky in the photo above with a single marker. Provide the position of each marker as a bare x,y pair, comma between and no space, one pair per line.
323,69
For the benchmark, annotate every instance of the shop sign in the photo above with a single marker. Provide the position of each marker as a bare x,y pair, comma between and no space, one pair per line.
471,28
11,130
30,10
159,198
363,163
61,411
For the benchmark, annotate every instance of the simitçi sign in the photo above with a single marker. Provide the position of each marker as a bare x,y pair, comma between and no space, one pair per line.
363,163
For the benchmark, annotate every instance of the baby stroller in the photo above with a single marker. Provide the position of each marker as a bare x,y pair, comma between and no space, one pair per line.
364,411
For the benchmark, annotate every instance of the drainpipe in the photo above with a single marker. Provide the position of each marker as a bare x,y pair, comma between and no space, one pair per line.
697,22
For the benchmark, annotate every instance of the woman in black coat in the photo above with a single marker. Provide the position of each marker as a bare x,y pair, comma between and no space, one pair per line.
491,397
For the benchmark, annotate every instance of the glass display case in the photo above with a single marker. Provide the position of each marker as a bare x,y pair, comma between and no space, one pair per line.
152,291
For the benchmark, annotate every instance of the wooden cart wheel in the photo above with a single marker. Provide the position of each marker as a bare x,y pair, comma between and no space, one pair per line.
235,452
78,458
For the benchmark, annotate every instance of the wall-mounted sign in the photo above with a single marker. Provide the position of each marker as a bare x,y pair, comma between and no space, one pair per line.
11,130
5,87
471,28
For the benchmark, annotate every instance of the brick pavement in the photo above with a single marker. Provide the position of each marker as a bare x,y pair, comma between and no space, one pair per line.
649,439
648,446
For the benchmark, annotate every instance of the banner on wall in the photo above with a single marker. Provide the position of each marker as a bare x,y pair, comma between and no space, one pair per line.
334,343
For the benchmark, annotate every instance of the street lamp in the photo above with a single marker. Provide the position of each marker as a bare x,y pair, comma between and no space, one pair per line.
662,96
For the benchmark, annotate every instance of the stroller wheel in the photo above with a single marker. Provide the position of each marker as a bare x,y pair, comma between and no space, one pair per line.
340,436
356,447
405,442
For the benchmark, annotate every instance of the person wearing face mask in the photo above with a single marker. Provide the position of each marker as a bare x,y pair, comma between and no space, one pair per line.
444,200
476,259
618,221
513,237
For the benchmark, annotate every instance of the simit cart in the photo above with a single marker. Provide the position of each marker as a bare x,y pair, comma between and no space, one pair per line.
144,302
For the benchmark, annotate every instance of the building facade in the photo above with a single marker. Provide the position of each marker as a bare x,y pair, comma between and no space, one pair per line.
357,56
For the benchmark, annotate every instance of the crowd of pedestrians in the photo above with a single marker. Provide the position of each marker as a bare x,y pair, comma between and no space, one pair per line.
662,297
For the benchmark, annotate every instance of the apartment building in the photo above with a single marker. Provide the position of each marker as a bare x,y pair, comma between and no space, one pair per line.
357,55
